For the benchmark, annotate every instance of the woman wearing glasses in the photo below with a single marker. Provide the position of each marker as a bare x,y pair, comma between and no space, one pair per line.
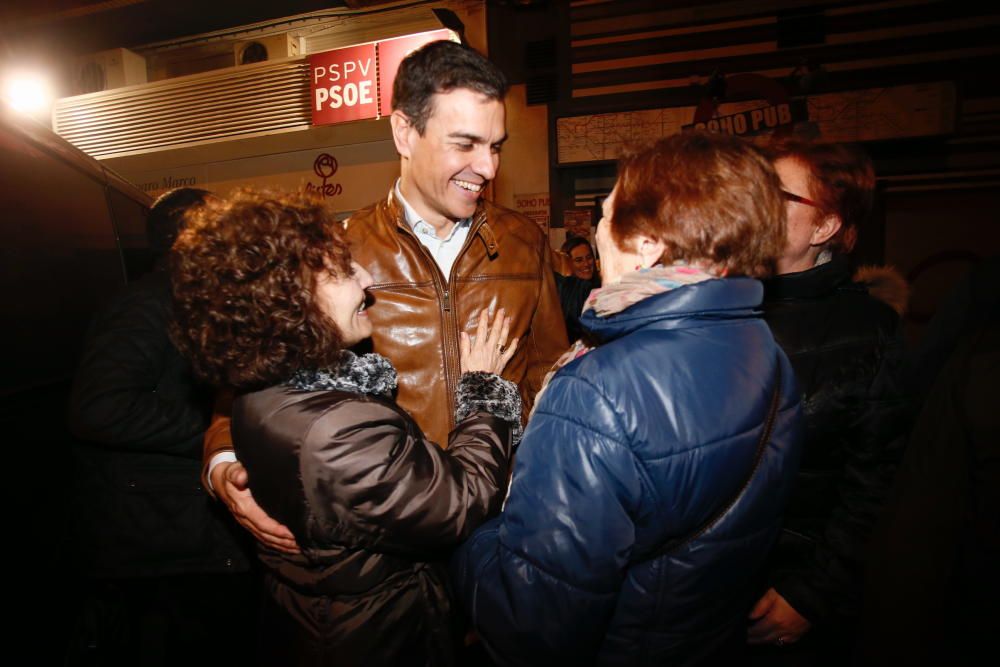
845,346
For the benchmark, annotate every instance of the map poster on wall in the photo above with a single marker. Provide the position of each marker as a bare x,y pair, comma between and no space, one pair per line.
536,207
896,112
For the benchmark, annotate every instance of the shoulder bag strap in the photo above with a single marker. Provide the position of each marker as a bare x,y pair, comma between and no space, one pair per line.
765,435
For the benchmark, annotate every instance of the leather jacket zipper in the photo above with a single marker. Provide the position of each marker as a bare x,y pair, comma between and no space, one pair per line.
453,364
449,327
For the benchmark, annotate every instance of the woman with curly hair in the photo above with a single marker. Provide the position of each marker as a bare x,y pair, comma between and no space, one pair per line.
267,301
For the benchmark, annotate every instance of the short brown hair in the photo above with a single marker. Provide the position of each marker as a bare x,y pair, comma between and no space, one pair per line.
441,67
841,180
708,197
243,275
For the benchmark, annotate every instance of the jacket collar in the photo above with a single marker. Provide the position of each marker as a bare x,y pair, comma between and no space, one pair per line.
681,308
366,374
814,283
480,223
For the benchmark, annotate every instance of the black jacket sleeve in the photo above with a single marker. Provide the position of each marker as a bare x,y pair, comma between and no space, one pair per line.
133,390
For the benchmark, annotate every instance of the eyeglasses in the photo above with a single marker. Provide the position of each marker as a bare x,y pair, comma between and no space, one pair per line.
800,199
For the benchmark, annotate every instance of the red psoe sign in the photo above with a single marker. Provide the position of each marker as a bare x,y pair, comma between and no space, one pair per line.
391,53
344,85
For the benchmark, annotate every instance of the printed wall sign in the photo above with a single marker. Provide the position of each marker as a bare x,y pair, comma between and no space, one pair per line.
355,83
536,207
391,53
344,84
777,115
578,222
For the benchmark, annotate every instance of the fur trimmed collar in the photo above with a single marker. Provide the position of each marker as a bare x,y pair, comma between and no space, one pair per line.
368,374
885,284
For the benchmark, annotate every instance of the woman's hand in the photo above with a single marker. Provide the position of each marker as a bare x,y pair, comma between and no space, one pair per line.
775,621
489,352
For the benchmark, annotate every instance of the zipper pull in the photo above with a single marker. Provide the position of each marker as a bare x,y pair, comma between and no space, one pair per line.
447,302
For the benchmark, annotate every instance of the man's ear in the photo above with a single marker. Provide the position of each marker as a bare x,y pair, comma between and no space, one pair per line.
401,132
825,230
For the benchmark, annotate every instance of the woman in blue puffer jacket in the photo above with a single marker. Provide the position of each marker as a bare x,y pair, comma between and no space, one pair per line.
653,474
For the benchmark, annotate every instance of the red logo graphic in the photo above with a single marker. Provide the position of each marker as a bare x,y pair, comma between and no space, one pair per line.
325,167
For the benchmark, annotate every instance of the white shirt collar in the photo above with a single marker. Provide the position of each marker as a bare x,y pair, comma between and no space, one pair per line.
413,218
444,251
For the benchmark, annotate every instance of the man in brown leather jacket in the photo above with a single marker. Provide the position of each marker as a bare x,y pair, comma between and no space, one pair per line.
438,255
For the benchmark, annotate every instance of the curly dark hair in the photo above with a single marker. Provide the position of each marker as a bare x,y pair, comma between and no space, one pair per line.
441,67
243,274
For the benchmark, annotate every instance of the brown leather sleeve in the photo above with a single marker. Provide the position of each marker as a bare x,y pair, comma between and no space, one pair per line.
218,437
547,340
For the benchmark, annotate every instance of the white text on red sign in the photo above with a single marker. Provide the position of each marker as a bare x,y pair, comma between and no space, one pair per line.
344,92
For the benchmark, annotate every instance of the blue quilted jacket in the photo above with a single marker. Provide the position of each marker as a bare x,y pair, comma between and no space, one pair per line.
640,442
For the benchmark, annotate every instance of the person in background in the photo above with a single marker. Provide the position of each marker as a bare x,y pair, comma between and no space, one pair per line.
268,301
654,471
575,288
846,348
932,581
163,560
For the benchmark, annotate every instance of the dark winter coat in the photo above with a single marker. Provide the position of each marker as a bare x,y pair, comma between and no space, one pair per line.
140,416
640,441
375,507
573,293
846,349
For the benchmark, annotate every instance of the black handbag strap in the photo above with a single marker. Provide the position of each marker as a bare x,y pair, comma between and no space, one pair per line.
765,435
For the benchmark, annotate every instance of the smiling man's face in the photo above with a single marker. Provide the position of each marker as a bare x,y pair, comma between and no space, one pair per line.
446,169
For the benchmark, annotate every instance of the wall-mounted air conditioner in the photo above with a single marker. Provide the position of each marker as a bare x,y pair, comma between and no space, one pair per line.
105,70
273,47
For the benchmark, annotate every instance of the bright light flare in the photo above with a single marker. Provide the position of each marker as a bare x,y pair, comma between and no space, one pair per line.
27,92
